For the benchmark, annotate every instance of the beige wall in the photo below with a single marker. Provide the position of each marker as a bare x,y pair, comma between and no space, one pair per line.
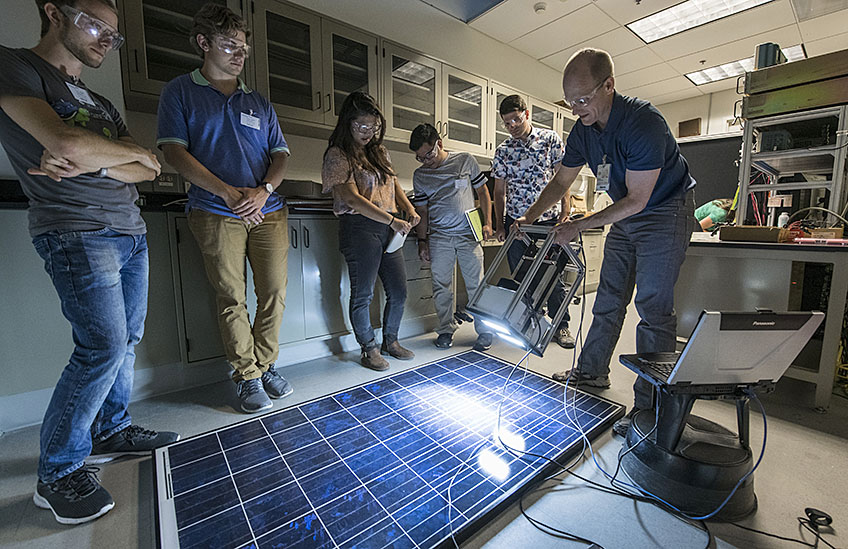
714,110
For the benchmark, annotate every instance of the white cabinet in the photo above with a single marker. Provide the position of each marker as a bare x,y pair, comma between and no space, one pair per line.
497,131
543,114
566,122
412,84
464,110
306,65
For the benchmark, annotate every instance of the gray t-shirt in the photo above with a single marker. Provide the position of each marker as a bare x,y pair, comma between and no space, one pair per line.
447,193
82,203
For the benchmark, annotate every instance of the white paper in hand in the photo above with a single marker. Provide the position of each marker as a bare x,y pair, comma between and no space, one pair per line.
395,243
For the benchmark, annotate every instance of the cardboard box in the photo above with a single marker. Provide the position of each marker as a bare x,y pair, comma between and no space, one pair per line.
750,233
831,232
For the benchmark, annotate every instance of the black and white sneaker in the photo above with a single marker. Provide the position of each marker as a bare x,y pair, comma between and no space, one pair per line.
75,498
132,441
252,396
275,385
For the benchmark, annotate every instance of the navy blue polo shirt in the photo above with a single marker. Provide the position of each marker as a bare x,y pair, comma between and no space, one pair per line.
636,138
233,137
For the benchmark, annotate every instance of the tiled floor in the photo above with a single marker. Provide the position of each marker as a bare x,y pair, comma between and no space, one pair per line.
804,466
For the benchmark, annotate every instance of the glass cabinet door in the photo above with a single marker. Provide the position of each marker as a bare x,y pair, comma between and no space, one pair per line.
350,65
567,122
158,46
412,84
288,69
543,115
497,130
465,99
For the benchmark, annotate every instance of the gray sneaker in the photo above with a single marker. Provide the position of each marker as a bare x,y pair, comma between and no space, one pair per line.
74,498
484,341
252,397
275,385
564,338
132,441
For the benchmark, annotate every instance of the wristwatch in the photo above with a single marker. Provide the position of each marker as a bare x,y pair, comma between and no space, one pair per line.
102,172
268,187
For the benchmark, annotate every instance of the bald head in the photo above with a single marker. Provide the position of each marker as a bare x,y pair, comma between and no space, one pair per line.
596,64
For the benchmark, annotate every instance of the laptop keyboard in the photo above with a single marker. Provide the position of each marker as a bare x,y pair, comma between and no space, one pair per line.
660,368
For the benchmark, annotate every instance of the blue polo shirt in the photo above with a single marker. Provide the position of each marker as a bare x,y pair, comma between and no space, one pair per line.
233,137
636,138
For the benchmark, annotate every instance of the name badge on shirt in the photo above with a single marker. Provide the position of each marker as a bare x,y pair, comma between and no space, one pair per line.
80,94
603,182
460,183
249,120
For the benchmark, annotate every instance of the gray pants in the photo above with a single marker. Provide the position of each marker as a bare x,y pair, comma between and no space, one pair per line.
445,252
645,250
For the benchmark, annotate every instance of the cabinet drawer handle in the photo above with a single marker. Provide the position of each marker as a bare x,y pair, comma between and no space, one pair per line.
305,237
329,105
294,238
317,103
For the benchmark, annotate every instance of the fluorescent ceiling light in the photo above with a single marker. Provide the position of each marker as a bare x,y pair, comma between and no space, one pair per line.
735,68
688,15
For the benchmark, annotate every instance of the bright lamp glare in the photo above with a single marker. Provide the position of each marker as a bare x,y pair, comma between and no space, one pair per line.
493,465
514,340
735,68
497,326
511,442
687,15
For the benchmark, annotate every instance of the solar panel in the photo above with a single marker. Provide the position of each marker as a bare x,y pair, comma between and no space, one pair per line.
404,461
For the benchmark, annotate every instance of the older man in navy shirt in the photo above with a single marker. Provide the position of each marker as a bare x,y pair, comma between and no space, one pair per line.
628,145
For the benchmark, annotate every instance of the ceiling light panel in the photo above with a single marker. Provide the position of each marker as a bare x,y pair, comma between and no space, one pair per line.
735,68
688,15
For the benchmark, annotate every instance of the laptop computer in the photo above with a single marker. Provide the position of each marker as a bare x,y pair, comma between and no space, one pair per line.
731,349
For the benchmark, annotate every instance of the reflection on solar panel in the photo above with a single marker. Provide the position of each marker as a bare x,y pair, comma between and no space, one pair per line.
372,466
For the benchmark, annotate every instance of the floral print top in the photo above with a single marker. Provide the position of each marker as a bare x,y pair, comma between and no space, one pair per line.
339,169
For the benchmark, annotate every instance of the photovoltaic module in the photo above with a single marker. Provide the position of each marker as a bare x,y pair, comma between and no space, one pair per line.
409,460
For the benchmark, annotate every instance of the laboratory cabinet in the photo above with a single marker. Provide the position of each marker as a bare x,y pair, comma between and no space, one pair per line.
498,133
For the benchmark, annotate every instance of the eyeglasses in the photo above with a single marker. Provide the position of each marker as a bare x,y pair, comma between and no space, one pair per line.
365,129
231,47
517,121
586,99
430,155
100,30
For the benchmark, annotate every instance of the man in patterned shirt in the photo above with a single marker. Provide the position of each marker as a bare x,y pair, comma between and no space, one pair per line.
522,167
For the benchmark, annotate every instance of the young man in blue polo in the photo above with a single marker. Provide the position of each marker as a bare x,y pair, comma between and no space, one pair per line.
630,148
225,139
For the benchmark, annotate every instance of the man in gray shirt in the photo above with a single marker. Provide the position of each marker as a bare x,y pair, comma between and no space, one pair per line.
78,166
443,194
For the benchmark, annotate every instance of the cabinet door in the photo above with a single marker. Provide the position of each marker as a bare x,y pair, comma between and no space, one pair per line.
326,286
158,47
497,131
412,86
464,123
350,64
288,61
543,114
292,327
567,122
196,300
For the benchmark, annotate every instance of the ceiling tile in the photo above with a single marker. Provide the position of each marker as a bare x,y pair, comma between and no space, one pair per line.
514,18
674,96
628,11
676,84
574,28
635,60
736,27
822,27
720,85
643,77
827,45
615,42
734,51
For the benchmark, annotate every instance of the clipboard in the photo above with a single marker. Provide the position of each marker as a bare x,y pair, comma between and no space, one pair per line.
474,216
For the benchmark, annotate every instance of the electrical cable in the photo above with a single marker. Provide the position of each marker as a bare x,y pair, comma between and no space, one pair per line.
782,538
811,527
831,212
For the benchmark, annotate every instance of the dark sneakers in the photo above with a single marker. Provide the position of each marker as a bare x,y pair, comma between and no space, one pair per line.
576,377
621,426
132,441
484,341
275,385
74,498
444,341
252,396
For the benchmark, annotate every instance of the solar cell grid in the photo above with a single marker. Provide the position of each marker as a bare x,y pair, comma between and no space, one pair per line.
371,466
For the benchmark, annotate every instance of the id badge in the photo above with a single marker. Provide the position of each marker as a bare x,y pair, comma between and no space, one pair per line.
603,177
81,94
249,120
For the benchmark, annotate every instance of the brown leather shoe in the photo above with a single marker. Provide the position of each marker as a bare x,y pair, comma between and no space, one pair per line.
372,359
394,349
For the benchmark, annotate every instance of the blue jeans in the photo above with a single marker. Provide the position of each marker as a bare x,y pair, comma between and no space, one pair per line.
513,257
645,250
362,242
101,279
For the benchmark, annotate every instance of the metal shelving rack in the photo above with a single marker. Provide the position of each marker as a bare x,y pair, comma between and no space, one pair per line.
826,162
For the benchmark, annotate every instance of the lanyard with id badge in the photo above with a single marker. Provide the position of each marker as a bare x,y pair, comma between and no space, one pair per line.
247,119
81,94
603,175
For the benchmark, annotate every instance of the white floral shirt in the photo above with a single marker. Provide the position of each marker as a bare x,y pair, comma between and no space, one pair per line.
527,166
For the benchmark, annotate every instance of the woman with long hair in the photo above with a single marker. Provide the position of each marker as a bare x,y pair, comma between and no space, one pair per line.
366,198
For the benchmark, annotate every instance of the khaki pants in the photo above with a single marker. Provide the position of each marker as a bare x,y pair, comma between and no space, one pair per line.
225,243
445,252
